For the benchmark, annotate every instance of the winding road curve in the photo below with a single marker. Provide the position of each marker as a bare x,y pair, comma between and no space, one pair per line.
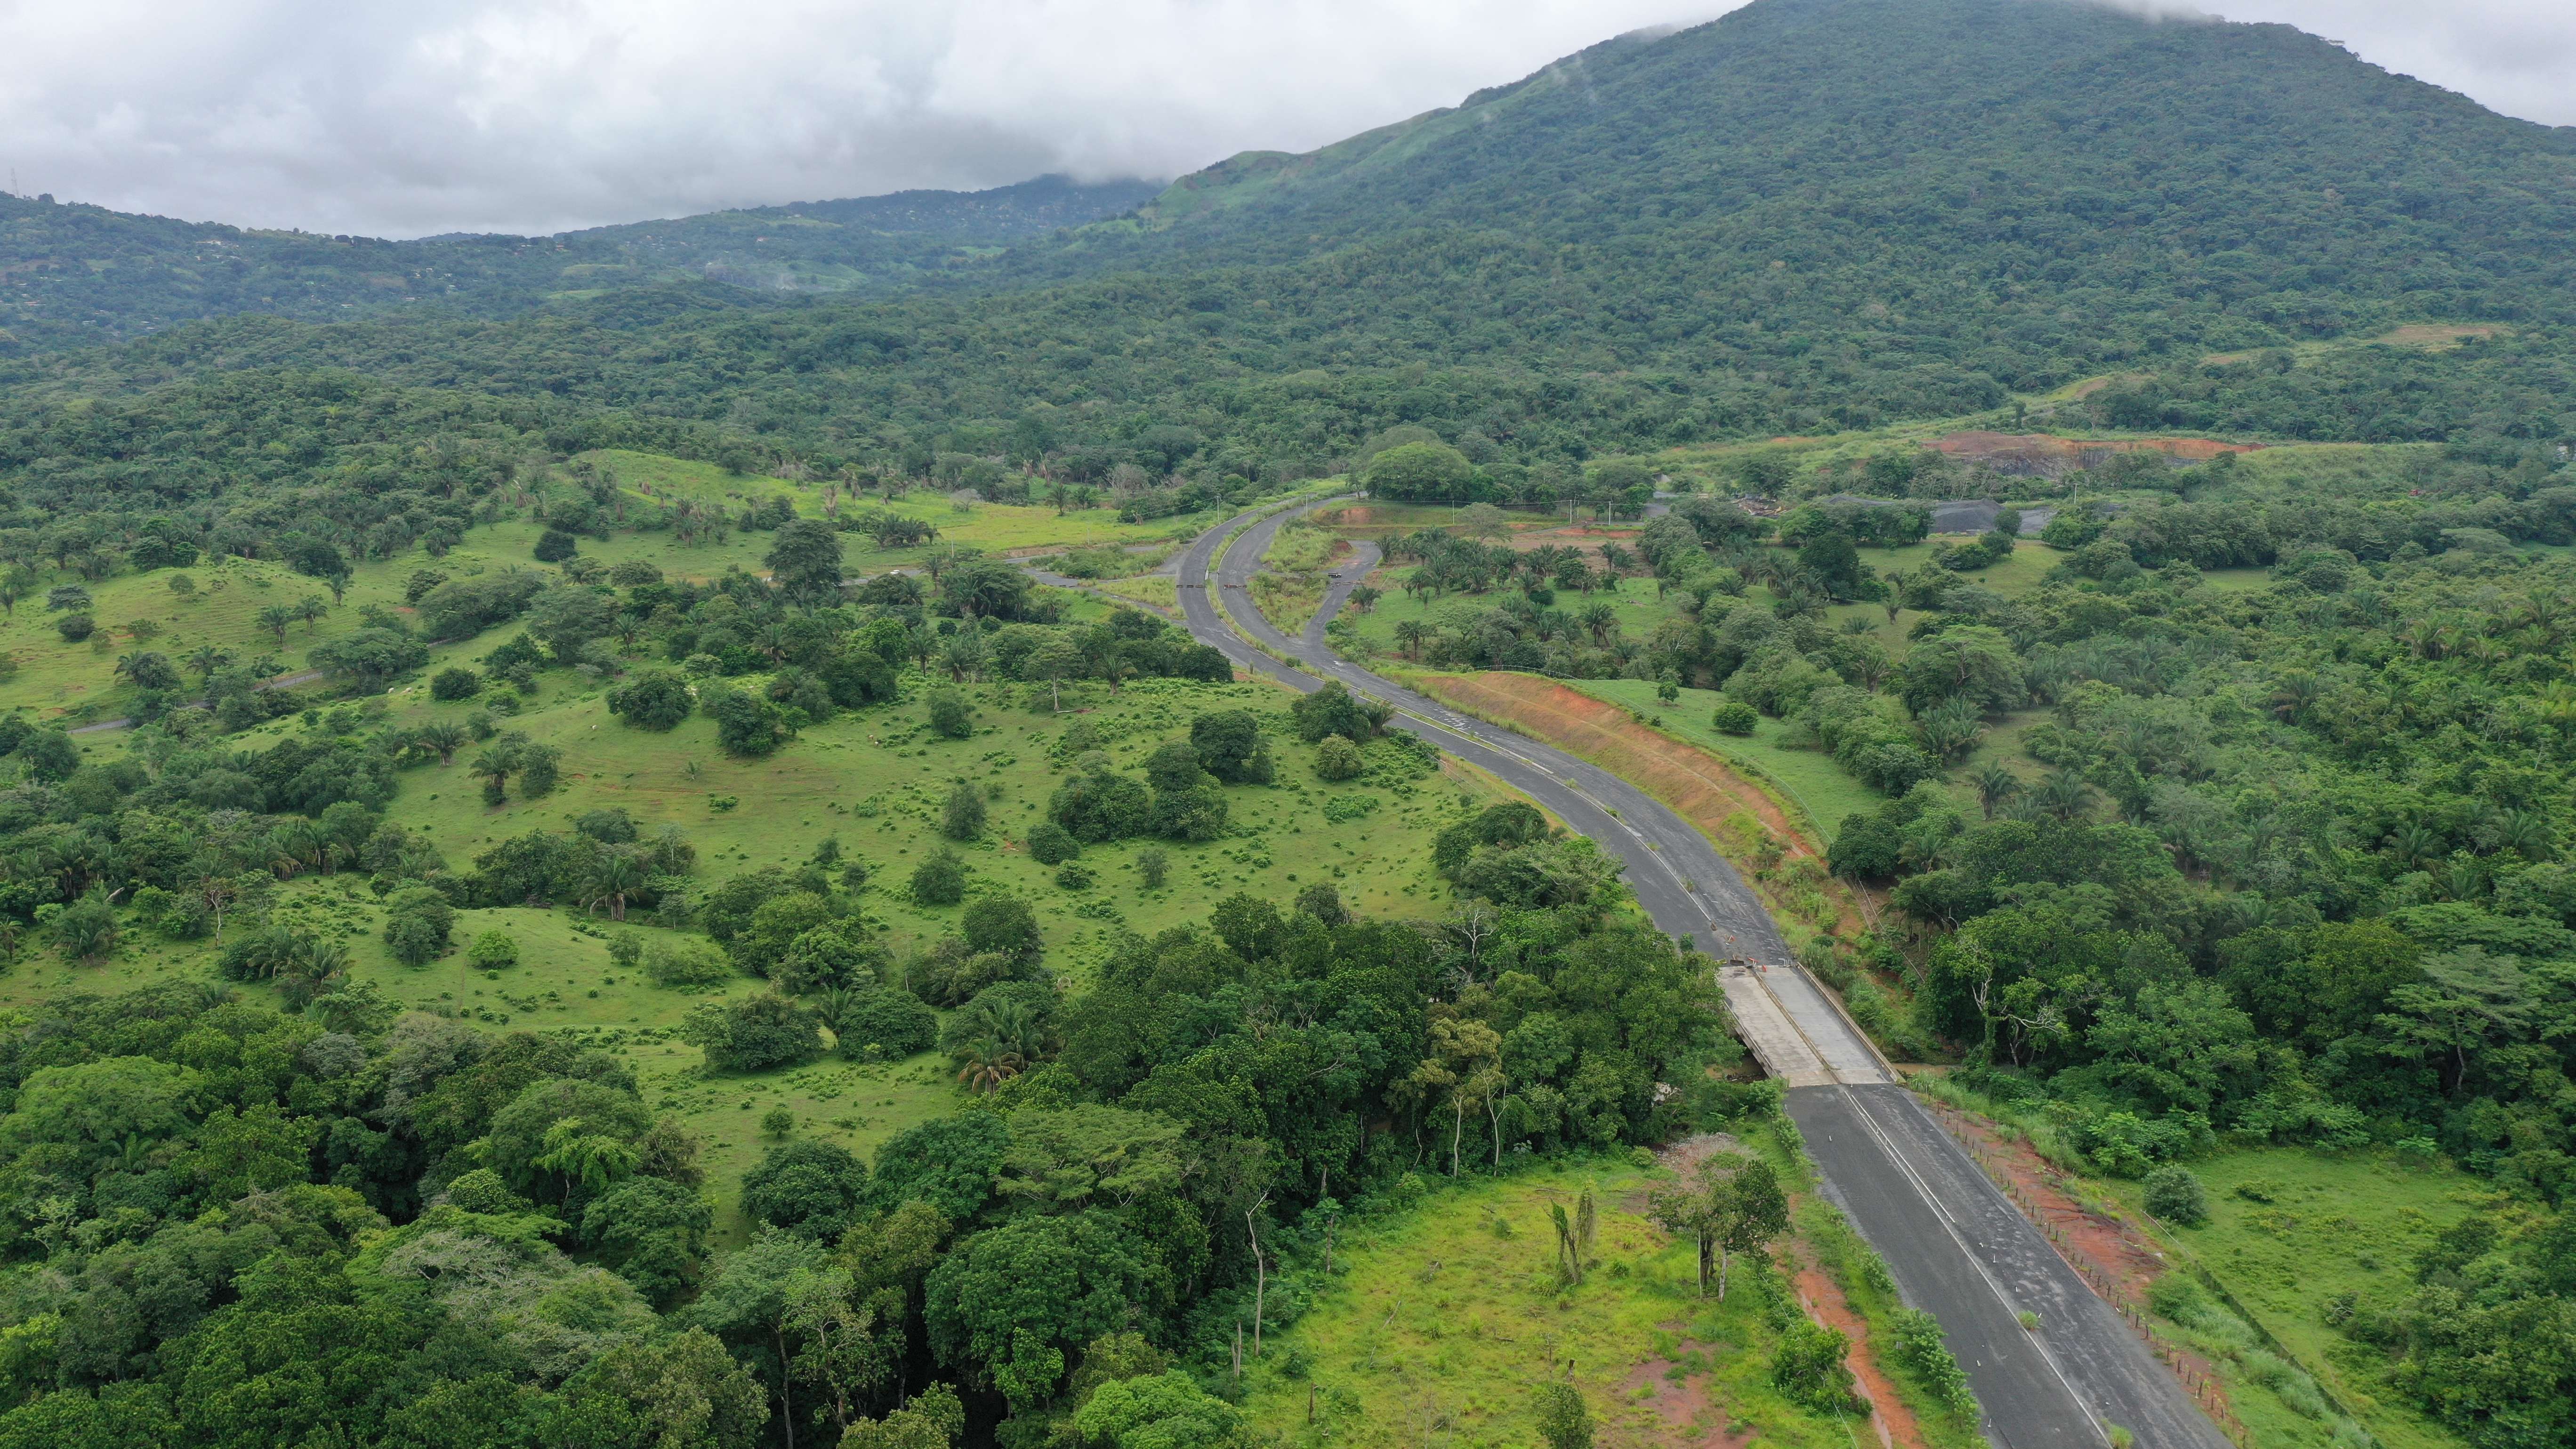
1957,1247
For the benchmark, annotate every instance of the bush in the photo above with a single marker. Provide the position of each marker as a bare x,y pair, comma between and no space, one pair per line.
556,546
1153,866
454,684
493,950
1735,717
1336,758
753,1034
948,714
940,879
2175,1195
963,817
1563,1420
76,627
417,923
685,961
1052,844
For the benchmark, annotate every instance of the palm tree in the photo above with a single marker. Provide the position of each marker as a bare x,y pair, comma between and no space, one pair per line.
206,659
612,880
274,619
1995,785
1409,634
310,608
2066,796
986,1062
493,768
442,739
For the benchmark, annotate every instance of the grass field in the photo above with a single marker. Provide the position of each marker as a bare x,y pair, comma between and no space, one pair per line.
1810,778
2335,1224
1442,1321
992,527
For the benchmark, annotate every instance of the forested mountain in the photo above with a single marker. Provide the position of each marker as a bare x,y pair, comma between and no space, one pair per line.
1761,225
72,274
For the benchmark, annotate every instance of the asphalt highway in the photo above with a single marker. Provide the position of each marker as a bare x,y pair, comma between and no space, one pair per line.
1956,1246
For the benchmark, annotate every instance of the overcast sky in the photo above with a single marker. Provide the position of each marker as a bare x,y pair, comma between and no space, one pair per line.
424,116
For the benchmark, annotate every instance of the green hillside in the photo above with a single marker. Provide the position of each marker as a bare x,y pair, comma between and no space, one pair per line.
71,275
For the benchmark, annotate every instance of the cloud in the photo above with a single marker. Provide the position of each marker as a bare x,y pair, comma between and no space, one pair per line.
537,115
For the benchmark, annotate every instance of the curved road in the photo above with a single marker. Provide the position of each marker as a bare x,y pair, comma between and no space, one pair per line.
1957,1247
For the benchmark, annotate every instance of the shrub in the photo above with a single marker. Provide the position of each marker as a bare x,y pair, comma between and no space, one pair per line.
1073,876
1154,867
556,546
1052,844
1735,717
612,826
940,879
753,1034
685,961
1563,1421
76,627
745,724
1336,758
778,1121
417,923
948,714
963,817
2175,1195
493,950
454,684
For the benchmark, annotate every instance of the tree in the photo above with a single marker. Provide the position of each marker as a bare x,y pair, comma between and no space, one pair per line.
148,670
616,876
1970,662
753,1034
493,951
652,699
2180,1046
274,619
651,1232
811,1189
1157,1411
804,562
1333,710
933,1420
1734,1204
555,545
940,879
1007,1305
1054,662
1338,759
1426,472
746,725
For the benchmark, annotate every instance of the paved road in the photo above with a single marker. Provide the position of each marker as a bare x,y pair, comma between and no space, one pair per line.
1957,1247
